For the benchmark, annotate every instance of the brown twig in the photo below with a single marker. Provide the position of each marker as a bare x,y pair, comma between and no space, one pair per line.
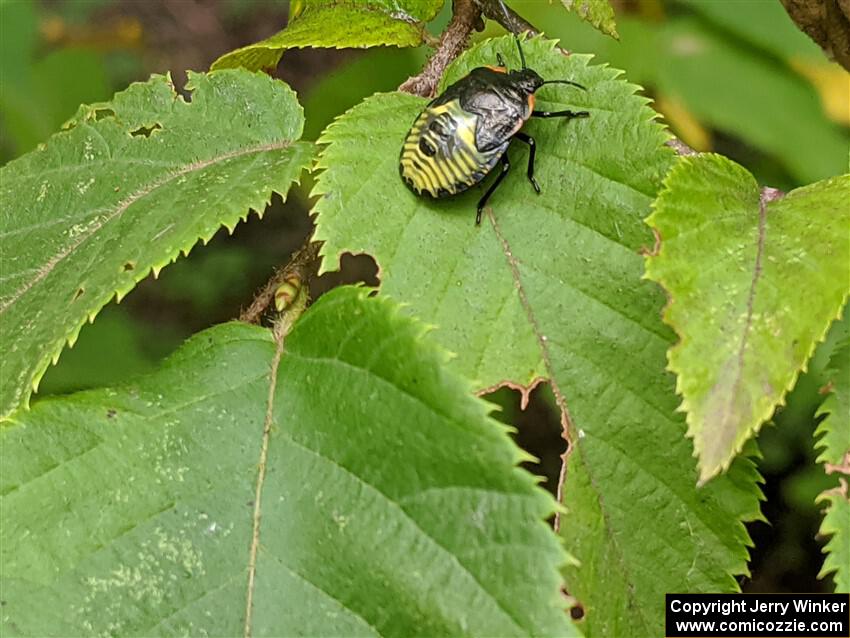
827,22
466,15
466,18
514,22
680,147
299,265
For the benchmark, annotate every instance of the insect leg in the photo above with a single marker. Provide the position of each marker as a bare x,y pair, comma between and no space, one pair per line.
567,114
506,166
532,149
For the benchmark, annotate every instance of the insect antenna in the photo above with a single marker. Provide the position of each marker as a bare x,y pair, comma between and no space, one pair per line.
521,54
576,84
516,37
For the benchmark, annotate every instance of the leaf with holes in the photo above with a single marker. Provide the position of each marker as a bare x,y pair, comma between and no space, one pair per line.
129,186
834,441
599,13
754,280
549,286
338,25
149,501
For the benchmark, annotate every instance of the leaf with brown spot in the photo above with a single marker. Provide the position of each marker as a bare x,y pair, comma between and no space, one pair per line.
754,279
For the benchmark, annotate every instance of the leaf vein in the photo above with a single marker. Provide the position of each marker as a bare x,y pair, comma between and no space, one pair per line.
122,206
304,579
394,504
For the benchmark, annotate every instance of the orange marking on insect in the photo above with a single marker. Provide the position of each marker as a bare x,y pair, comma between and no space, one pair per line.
531,102
497,69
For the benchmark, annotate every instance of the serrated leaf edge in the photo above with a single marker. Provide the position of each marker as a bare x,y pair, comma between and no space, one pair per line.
88,111
832,497
231,59
52,356
830,530
420,332
599,25
706,474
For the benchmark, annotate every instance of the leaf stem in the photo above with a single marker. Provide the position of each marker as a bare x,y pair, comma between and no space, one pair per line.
283,324
466,17
514,23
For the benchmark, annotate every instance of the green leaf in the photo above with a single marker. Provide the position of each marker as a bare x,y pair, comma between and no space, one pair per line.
55,87
338,25
685,59
351,82
550,286
754,280
836,523
765,25
834,440
833,433
758,98
132,511
118,346
132,184
599,13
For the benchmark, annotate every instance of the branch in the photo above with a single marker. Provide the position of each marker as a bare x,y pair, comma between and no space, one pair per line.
514,23
680,147
465,18
827,22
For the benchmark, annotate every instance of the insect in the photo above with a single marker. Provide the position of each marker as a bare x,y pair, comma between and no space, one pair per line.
462,134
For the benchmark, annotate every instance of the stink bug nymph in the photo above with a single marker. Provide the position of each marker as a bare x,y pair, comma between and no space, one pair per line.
463,133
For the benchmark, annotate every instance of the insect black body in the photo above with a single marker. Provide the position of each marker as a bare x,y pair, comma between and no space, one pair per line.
463,133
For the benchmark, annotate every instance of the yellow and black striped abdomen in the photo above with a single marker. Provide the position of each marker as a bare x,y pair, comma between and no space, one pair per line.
440,157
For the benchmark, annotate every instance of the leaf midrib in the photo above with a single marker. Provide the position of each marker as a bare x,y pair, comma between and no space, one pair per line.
570,432
127,202
396,505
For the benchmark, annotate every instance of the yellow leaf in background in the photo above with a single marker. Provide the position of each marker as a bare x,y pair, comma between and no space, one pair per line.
832,84
652,10
683,123
118,33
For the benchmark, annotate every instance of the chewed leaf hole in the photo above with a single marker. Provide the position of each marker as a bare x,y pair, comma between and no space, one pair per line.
78,294
353,269
577,611
538,427
145,131
100,114
127,267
